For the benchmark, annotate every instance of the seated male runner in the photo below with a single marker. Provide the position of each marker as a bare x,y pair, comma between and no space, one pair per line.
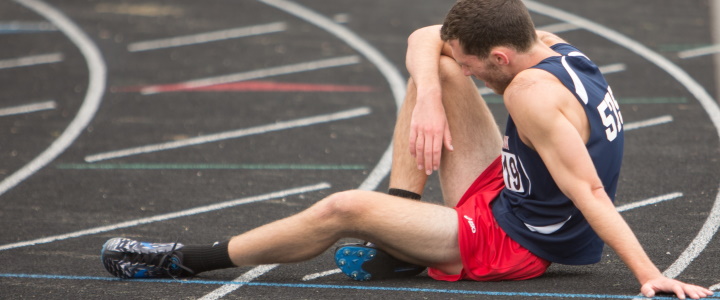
513,205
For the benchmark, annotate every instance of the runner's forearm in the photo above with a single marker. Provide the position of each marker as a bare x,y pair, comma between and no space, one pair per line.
422,59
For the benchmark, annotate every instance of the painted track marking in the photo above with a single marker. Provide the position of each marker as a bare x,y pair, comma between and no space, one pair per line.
200,38
97,73
186,166
321,274
650,201
649,122
22,27
32,60
342,115
702,51
259,86
387,69
168,216
392,75
27,108
349,288
257,74
614,68
242,280
559,27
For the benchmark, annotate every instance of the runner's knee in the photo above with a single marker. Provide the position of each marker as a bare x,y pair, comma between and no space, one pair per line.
344,206
450,69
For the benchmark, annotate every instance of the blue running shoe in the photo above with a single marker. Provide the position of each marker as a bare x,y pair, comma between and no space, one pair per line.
126,258
364,262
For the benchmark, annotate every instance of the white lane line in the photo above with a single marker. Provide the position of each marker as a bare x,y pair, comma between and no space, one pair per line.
32,60
614,68
26,26
392,75
219,35
622,208
559,27
168,216
321,274
275,71
650,201
247,277
342,115
27,108
712,223
702,51
96,88
649,122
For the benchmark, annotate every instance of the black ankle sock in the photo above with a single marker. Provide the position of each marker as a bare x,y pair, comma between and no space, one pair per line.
201,258
403,193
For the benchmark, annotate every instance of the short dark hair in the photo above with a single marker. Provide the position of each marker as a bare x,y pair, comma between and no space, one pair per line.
480,25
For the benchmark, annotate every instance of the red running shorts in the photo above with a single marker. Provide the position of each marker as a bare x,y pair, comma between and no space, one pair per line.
488,254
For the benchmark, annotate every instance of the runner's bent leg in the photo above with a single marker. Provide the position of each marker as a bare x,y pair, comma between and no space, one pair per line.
413,231
404,174
476,137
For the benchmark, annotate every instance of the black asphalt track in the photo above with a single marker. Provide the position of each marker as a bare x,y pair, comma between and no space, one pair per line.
302,107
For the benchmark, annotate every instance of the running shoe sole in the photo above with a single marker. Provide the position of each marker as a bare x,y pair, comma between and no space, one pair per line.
361,262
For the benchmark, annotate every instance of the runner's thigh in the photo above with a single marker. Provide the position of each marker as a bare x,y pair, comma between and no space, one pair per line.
475,135
414,231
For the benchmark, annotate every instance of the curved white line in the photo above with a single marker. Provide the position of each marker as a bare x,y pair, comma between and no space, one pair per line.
386,68
93,97
392,75
712,223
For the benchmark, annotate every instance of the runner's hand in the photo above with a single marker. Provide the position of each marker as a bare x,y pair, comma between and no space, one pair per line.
429,131
680,289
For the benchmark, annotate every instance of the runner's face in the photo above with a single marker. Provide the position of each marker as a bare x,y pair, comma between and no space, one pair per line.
482,69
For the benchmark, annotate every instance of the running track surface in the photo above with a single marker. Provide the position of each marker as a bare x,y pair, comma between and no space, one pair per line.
165,120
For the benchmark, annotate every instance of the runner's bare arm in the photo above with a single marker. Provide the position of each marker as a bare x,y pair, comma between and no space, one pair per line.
545,126
429,129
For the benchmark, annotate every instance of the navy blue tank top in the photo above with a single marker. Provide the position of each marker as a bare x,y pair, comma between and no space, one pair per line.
532,209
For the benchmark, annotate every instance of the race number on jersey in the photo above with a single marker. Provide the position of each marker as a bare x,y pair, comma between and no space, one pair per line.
511,172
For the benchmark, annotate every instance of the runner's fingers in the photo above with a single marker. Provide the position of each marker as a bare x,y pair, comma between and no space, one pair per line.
679,291
448,139
411,142
437,153
429,151
697,292
419,151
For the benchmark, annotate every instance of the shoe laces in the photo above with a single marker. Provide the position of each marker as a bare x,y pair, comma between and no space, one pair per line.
167,262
